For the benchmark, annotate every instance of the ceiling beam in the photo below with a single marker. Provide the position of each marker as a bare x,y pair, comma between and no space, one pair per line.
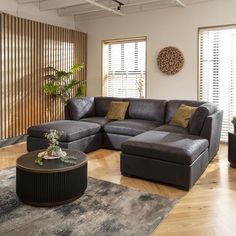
56,4
105,7
180,3
141,2
86,9
26,1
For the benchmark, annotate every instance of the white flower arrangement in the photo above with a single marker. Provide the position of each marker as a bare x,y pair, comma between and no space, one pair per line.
54,151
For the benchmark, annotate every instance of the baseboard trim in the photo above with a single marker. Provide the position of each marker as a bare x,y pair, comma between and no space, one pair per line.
11,141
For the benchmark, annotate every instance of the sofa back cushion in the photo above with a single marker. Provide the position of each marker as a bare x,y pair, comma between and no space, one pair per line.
146,109
197,120
79,108
102,104
173,105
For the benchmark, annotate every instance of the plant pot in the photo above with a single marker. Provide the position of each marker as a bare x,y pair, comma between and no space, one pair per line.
51,155
235,129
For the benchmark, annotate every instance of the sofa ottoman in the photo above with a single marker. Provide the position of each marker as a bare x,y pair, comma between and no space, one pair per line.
83,136
172,158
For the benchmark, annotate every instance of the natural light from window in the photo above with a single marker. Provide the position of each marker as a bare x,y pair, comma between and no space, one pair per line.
124,68
217,72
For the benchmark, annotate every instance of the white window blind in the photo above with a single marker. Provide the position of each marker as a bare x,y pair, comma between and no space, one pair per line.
217,77
124,68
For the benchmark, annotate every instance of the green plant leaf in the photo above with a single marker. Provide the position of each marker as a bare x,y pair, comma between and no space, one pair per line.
77,68
233,120
71,84
51,77
39,161
52,89
60,83
62,75
52,68
81,91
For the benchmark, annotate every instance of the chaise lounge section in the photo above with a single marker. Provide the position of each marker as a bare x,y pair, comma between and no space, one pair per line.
151,148
153,154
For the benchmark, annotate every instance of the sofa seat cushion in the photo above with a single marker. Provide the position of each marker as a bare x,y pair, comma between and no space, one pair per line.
130,127
171,147
172,129
72,130
96,119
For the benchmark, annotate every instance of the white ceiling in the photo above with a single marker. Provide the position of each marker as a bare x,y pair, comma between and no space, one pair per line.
87,9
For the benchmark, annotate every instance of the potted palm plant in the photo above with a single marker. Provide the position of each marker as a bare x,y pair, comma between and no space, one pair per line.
61,83
234,123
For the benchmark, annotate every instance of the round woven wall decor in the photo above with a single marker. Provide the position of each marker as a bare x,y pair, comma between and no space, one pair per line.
170,60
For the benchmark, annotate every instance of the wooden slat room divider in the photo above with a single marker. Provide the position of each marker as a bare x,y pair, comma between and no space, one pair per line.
27,49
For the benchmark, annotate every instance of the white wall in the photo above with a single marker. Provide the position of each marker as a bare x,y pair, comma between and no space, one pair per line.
167,27
32,12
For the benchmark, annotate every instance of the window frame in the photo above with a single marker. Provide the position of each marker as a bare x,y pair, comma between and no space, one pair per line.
118,41
212,27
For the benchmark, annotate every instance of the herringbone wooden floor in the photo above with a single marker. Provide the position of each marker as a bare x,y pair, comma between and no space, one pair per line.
209,208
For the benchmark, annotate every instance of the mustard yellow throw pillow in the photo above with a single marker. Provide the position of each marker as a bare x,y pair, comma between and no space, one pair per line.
117,110
183,115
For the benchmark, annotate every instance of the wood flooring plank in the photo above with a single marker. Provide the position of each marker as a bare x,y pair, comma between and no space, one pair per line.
208,209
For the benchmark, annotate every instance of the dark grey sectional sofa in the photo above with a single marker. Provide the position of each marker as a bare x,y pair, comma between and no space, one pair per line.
150,147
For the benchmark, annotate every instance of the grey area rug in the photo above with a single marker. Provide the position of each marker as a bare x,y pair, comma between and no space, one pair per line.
104,209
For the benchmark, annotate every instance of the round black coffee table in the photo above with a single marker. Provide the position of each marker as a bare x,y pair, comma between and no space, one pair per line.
52,184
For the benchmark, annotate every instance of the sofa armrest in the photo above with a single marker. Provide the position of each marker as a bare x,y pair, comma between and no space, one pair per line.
197,120
212,131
